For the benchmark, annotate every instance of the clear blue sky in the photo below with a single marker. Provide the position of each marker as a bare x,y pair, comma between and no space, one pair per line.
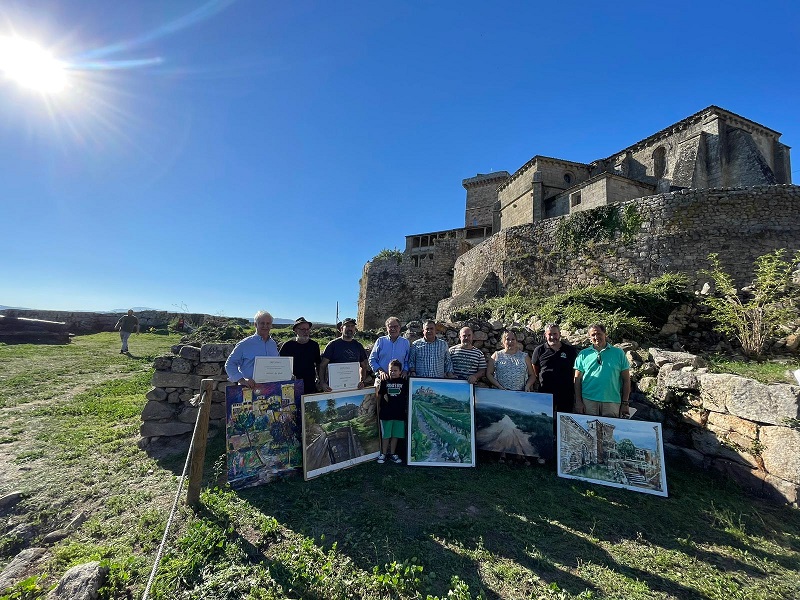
238,155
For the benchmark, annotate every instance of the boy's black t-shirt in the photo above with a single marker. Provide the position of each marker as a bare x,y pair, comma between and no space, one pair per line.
393,396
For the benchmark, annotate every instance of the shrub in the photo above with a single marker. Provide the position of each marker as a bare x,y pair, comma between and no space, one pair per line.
754,314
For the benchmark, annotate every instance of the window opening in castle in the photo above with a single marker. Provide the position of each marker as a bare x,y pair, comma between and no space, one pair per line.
575,199
567,178
659,162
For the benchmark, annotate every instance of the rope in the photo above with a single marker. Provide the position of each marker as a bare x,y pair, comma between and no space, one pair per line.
160,551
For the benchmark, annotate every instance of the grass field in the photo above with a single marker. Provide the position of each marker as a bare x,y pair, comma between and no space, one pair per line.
68,439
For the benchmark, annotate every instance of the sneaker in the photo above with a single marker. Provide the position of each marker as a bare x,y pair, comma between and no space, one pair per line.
381,458
396,459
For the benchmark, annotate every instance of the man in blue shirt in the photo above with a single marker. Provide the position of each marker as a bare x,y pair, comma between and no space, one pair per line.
388,348
242,360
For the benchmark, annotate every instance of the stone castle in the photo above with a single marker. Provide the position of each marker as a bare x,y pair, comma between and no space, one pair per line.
713,182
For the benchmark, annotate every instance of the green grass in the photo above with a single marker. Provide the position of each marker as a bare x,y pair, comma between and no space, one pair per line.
373,531
766,371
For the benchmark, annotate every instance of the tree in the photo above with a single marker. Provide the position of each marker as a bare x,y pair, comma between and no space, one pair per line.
752,314
626,448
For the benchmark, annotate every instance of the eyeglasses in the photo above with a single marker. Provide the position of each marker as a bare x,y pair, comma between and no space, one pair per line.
599,360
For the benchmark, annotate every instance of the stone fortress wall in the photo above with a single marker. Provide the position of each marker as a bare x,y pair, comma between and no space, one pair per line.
82,322
678,230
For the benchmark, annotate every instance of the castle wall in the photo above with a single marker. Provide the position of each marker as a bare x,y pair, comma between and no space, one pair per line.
678,231
404,288
482,198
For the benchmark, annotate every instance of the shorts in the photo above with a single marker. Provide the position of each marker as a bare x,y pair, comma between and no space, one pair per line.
393,429
602,409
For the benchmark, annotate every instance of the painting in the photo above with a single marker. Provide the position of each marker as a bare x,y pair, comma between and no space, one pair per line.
340,429
262,431
518,423
615,452
442,423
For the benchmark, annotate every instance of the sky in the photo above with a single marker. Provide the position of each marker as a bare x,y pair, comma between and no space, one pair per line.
227,156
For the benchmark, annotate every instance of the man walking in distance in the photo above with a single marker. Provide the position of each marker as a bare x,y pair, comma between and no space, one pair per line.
126,326
242,360
388,348
602,377
305,354
553,364
469,362
429,355
343,350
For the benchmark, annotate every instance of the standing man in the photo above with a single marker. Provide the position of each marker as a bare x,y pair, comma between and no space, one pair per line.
553,364
305,354
126,326
388,348
468,361
429,355
602,377
343,350
242,360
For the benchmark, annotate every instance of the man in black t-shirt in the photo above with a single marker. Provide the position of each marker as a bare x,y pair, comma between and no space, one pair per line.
305,353
553,365
343,350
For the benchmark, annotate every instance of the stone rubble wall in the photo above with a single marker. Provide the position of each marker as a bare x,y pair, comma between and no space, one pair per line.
81,322
678,231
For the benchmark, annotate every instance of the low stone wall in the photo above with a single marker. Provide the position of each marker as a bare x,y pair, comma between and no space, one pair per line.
93,322
172,405
738,426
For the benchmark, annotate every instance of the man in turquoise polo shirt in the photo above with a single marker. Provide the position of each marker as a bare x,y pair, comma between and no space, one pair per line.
602,378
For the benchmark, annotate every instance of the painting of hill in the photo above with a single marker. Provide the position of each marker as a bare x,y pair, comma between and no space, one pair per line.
442,424
519,423
340,429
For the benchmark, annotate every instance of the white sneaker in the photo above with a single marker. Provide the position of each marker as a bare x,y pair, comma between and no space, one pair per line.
395,459
381,458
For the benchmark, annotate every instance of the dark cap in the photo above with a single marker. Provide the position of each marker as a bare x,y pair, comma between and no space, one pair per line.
300,321
348,320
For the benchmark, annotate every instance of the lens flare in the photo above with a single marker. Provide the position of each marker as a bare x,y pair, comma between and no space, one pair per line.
31,66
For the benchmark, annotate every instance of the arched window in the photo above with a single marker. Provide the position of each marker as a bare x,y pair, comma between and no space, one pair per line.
659,162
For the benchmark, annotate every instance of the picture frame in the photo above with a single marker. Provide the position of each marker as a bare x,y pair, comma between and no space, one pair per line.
340,430
441,431
618,453
517,423
262,432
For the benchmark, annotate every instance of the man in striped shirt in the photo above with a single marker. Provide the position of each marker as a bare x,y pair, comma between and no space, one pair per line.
468,361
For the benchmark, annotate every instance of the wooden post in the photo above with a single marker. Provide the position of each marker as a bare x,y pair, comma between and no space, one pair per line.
199,439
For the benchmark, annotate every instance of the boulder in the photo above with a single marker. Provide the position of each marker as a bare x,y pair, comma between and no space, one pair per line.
169,428
163,363
779,490
781,452
215,352
156,394
81,582
678,359
19,567
167,379
181,365
682,381
190,353
208,368
156,411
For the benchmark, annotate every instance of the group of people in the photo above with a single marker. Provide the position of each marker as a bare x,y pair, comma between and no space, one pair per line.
593,381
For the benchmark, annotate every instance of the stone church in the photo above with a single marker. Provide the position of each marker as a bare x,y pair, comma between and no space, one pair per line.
713,149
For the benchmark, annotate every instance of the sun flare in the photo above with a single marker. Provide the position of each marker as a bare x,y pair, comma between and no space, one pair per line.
31,66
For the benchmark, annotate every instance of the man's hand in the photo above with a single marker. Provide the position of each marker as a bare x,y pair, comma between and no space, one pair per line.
249,383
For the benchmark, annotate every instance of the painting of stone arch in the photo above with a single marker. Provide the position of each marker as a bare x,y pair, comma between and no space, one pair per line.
340,429
615,452
262,431
519,423
442,423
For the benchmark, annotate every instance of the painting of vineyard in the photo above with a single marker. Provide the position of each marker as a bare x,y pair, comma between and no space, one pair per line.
519,423
614,452
262,432
442,423
340,429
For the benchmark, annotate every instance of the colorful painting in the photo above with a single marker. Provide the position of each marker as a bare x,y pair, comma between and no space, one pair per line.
615,452
442,423
518,423
340,429
262,432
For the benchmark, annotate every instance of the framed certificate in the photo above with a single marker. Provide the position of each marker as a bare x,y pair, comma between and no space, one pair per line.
344,376
272,368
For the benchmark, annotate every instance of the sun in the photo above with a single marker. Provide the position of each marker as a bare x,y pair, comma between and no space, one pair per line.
31,66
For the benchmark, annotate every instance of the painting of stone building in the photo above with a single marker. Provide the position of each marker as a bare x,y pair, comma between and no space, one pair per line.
262,432
340,429
519,423
614,452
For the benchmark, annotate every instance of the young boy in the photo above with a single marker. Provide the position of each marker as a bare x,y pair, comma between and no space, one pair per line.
392,409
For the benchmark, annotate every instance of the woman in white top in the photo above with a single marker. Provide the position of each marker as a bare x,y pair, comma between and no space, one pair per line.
511,368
